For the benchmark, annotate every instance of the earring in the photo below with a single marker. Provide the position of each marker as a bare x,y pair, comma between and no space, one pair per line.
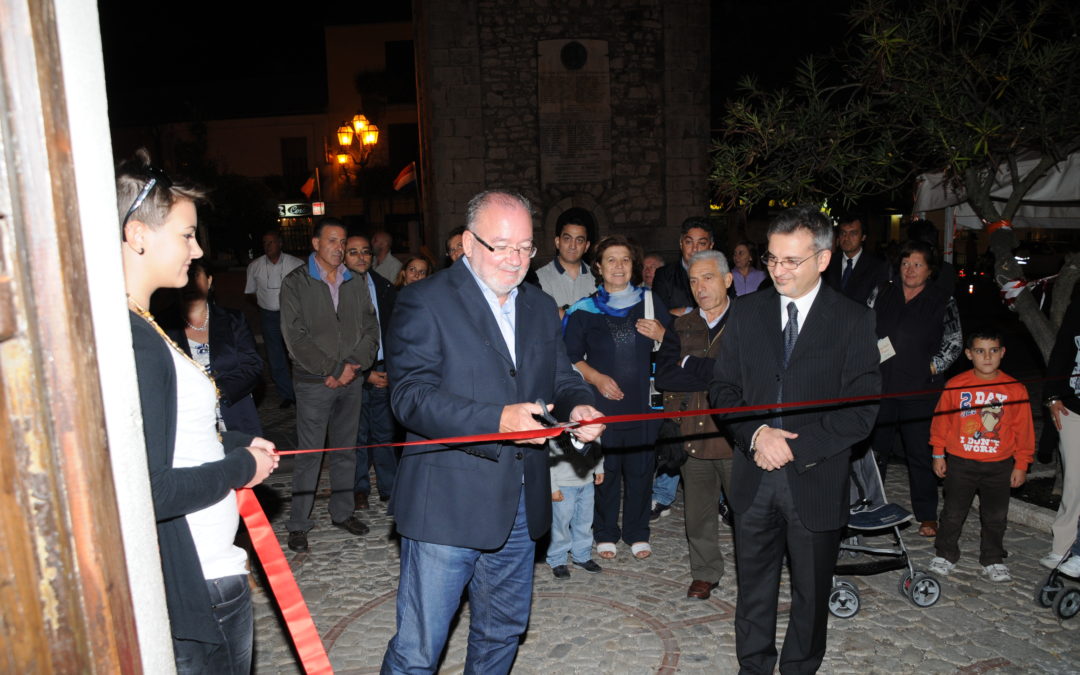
141,251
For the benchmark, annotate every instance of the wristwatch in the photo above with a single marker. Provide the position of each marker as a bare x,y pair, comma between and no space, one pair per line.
1051,400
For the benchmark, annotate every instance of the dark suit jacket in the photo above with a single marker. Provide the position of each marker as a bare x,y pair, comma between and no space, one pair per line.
867,274
672,285
235,364
450,375
835,356
385,296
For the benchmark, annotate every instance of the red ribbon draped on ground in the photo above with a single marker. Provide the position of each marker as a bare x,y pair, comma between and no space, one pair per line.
293,608
305,637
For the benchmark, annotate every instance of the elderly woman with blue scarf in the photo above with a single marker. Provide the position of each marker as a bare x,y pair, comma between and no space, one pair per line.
610,341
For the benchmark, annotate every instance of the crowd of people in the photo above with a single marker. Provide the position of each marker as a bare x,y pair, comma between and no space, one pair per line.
368,347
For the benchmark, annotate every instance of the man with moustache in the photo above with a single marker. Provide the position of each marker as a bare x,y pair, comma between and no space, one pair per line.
799,341
469,352
376,418
684,367
332,334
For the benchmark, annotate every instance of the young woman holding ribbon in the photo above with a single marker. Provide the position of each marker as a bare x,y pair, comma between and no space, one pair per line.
609,339
195,467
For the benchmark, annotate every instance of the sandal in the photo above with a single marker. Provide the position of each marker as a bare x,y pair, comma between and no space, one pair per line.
606,551
641,550
928,528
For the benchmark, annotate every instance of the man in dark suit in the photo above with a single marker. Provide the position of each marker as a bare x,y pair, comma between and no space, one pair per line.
376,418
469,351
800,341
672,283
854,271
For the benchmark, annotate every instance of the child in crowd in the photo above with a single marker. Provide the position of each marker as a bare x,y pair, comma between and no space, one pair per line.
983,423
573,476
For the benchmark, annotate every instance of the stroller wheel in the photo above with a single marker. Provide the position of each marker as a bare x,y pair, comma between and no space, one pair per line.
1066,604
905,583
924,590
1047,592
844,600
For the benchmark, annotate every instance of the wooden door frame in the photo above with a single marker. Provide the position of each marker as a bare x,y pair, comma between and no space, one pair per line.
67,606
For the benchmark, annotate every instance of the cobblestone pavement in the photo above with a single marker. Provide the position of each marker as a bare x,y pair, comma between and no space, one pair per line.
635,617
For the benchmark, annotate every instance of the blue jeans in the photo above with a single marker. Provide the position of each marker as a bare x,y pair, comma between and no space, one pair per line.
275,353
230,598
571,525
376,426
433,577
664,487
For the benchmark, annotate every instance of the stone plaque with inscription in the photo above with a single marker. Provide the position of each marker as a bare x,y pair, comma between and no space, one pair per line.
575,111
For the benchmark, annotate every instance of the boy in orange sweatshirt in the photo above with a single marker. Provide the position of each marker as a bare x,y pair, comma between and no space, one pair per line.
983,423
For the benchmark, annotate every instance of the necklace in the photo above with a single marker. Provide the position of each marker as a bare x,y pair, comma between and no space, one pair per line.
149,318
206,320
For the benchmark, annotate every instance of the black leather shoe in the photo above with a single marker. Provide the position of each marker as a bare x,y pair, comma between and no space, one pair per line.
286,403
360,501
560,572
353,525
727,514
384,497
298,541
589,566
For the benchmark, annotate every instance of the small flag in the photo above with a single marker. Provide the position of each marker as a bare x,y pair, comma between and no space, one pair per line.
308,187
407,175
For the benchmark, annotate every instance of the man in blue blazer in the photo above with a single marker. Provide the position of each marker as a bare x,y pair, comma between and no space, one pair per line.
799,341
470,350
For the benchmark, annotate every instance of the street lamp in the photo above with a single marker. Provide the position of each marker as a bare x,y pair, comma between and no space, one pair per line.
356,140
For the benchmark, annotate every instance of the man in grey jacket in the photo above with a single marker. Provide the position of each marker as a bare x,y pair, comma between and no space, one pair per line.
330,328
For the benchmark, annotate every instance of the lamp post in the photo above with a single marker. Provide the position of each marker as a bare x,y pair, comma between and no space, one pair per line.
356,139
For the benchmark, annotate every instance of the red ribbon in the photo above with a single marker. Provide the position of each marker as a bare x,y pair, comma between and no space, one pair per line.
298,619
639,417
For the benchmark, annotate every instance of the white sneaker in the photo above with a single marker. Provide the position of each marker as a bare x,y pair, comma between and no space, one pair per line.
941,566
1071,567
1050,560
997,572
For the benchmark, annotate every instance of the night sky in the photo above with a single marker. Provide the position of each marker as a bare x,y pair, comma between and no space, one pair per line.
208,60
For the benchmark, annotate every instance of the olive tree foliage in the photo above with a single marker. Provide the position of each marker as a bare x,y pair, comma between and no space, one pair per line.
961,86
980,84
813,141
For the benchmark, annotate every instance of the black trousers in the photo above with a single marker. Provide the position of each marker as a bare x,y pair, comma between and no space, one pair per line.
963,479
909,417
763,533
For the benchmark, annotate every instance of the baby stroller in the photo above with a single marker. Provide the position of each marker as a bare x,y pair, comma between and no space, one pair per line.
1053,593
870,513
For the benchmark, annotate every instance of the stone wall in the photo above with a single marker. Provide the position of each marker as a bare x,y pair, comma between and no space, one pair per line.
477,64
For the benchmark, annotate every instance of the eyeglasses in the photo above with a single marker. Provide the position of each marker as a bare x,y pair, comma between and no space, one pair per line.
157,177
504,251
787,263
